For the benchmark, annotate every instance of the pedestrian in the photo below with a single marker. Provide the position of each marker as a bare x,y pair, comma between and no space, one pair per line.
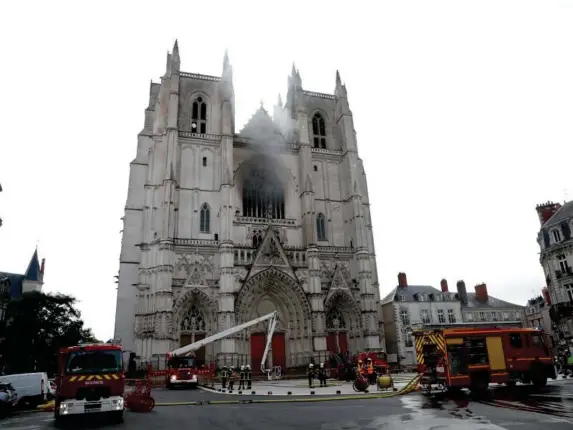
248,376
242,377
311,375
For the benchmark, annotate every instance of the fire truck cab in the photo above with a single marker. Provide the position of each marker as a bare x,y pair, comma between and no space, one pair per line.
181,372
90,380
456,358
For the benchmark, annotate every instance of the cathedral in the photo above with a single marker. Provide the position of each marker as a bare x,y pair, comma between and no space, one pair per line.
222,226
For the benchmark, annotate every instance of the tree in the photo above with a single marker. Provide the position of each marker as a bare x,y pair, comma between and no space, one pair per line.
37,326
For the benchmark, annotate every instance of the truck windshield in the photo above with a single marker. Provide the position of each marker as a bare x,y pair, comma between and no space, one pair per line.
94,362
181,362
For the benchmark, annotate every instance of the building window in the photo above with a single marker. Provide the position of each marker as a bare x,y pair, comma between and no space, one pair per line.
409,341
405,318
469,316
315,168
518,316
451,316
425,316
199,116
506,316
482,316
563,265
204,161
205,219
320,227
569,289
401,298
257,238
441,317
494,316
263,195
318,131
556,236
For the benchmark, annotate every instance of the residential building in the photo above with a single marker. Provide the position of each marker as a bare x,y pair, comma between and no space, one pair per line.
222,227
537,312
12,285
480,308
556,258
409,307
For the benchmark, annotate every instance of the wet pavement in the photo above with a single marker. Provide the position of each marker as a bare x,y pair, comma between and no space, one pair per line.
502,408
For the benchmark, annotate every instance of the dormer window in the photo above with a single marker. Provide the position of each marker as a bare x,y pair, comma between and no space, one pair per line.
556,236
401,298
421,297
437,297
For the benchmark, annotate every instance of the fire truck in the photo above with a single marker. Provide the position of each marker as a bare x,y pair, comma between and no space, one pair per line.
90,380
470,357
181,364
378,357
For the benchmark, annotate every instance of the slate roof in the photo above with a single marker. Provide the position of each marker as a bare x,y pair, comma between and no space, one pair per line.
17,279
492,303
563,214
409,292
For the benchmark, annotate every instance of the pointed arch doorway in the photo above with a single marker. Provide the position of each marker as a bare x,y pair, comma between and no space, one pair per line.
336,340
193,329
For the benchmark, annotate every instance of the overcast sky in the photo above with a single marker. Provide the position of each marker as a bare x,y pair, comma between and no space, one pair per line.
463,111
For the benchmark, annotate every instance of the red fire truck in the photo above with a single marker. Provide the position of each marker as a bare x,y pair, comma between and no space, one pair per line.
90,380
470,357
181,372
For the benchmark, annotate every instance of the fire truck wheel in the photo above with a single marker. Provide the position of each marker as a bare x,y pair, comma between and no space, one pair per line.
479,384
538,377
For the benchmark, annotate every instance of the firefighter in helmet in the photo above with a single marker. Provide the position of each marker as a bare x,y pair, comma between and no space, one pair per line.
310,375
232,377
248,376
370,371
322,375
242,378
224,377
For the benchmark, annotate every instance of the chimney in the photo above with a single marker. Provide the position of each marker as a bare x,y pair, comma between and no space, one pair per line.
546,211
481,292
444,285
462,293
402,280
546,296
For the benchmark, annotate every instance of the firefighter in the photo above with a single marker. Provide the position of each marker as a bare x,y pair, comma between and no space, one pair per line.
322,375
242,377
232,376
248,376
370,371
360,368
224,376
311,375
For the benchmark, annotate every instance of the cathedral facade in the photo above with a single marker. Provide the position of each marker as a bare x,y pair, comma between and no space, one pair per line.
222,227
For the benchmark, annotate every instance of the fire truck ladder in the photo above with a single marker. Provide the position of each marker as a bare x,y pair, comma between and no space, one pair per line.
272,318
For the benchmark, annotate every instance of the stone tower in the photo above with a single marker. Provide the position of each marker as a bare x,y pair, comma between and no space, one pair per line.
221,227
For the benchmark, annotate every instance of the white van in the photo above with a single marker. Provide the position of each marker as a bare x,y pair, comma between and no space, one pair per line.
32,388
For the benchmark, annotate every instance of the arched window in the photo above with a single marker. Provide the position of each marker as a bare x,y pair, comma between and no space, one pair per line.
257,238
205,219
263,195
335,319
320,227
193,320
199,116
318,131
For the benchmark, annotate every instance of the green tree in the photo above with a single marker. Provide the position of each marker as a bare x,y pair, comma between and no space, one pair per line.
37,326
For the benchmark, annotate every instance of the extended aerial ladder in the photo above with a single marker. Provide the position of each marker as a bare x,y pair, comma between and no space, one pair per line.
272,318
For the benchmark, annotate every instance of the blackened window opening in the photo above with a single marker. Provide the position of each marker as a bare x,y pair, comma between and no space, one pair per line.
199,116
318,131
320,227
263,192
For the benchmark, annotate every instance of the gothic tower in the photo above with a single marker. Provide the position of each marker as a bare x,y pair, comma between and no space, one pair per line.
221,227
